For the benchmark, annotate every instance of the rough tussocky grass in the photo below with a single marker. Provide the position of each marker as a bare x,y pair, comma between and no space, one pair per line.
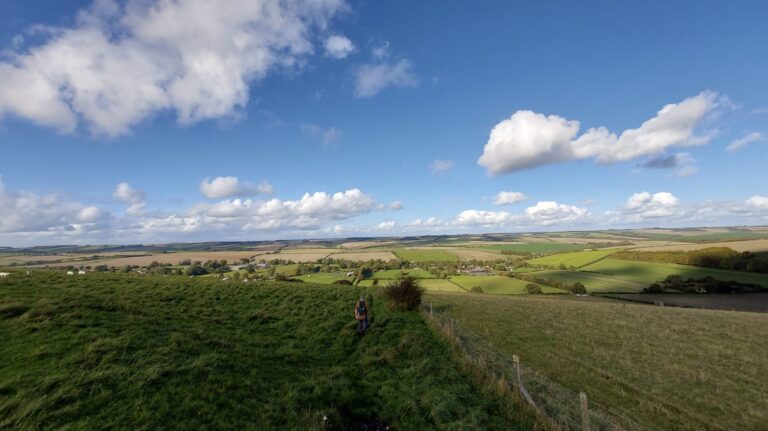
122,351
664,367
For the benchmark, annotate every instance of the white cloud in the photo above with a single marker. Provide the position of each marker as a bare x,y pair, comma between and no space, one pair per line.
338,46
224,187
745,140
386,225
546,213
119,64
758,202
440,166
396,206
127,194
370,79
508,198
24,214
645,205
528,139
552,213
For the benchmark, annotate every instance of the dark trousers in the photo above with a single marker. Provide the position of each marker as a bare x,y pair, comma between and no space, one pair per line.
362,325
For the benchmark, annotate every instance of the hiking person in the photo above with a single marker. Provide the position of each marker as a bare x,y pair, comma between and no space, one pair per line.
361,315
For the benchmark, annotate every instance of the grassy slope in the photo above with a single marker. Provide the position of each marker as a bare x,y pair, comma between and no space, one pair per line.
669,368
422,255
497,285
124,351
440,284
650,272
594,282
576,259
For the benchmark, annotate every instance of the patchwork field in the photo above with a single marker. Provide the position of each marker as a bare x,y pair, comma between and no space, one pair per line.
498,285
391,274
534,248
426,255
665,367
651,272
594,282
301,256
365,256
176,258
575,259
754,302
467,254
750,245
441,285
121,351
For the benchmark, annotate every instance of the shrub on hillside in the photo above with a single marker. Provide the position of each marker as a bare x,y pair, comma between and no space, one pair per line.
344,282
476,289
532,288
578,288
404,293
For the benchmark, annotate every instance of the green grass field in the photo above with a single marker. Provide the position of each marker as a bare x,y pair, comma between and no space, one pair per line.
391,274
534,248
595,283
423,255
122,351
442,285
575,259
725,236
664,367
324,277
651,272
498,285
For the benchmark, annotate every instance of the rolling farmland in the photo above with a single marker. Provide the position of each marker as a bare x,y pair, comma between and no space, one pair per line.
651,272
667,368
575,259
498,285
426,255
594,282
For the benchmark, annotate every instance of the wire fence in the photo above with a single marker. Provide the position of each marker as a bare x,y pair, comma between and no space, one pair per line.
560,407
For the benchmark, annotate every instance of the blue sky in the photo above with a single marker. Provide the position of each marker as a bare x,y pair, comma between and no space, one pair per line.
437,106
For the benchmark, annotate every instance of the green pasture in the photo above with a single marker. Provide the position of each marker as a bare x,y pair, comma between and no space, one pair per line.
389,274
575,259
648,273
594,282
666,368
424,255
123,351
498,285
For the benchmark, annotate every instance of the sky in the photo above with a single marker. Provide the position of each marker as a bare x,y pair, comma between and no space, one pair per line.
146,121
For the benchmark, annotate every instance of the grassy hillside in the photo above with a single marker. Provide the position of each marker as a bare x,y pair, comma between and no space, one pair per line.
324,277
139,352
668,368
651,272
576,259
498,285
594,282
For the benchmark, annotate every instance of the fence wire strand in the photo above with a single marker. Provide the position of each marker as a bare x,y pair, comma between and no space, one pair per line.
560,406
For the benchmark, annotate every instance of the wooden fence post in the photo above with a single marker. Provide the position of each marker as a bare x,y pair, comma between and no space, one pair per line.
584,411
516,360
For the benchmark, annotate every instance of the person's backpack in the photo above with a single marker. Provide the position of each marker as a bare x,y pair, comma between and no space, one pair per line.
361,310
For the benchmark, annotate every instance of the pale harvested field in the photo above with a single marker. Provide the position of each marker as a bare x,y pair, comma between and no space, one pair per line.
307,250
469,254
573,240
296,255
366,244
176,258
364,256
750,245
